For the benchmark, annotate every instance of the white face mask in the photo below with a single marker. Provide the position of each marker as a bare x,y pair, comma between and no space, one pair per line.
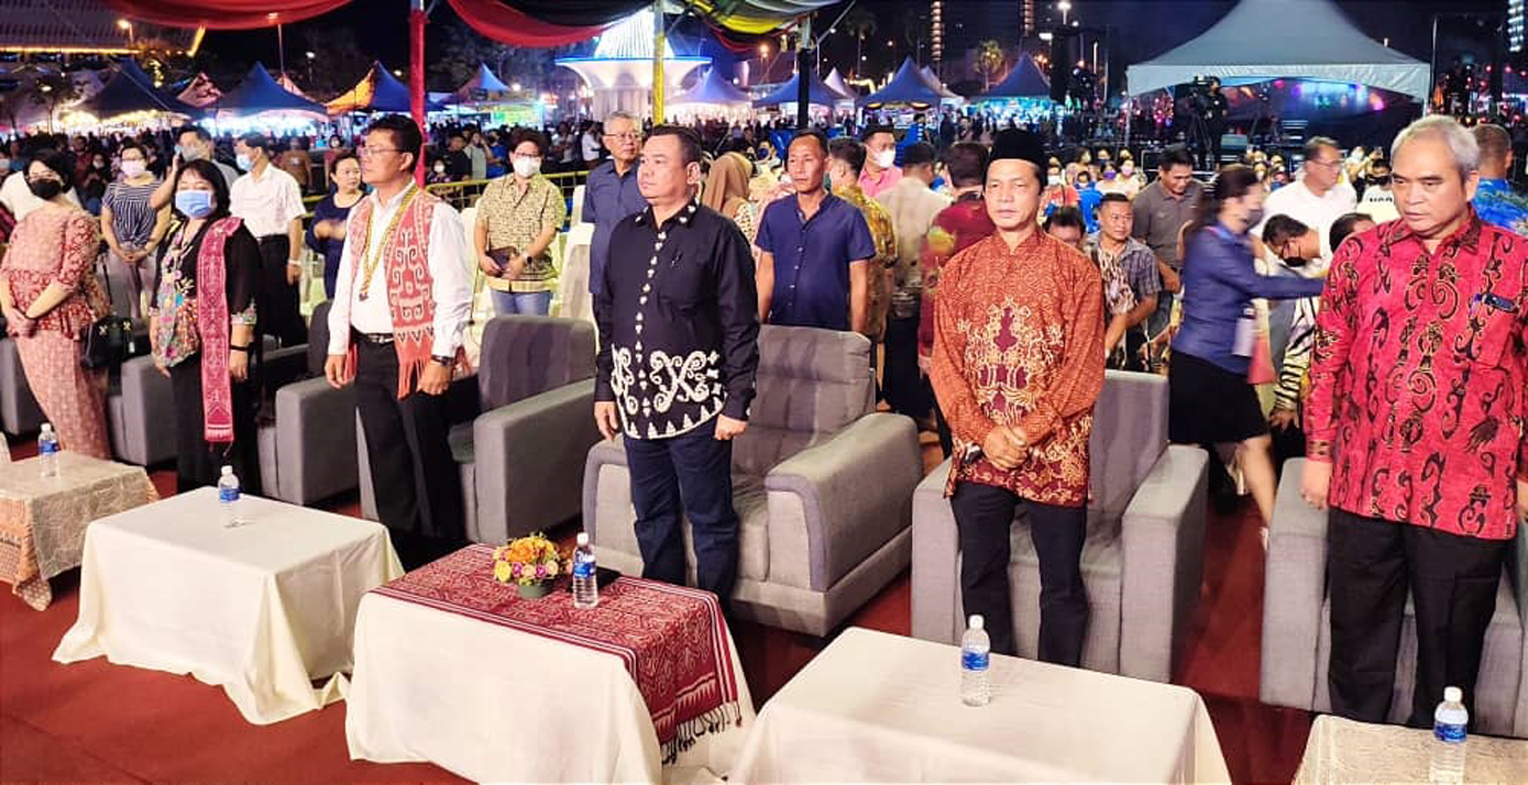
132,168
1054,179
527,167
886,158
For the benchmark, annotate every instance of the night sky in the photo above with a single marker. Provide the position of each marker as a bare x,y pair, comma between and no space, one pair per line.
1142,28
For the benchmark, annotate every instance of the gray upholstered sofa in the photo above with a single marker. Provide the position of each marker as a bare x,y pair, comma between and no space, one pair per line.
19,412
521,459
823,487
1297,643
304,455
1143,558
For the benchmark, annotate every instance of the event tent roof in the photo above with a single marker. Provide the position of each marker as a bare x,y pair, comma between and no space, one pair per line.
818,93
259,93
482,83
933,81
1295,39
378,91
200,91
1024,80
131,90
836,83
713,89
907,87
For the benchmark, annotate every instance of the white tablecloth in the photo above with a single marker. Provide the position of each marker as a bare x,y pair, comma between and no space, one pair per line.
1342,750
884,708
262,609
496,705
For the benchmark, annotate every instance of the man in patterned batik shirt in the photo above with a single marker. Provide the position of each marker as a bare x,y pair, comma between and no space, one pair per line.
1018,364
1414,428
1496,201
679,328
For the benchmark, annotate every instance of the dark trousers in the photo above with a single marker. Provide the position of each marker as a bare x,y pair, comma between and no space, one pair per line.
1371,563
277,300
984,515
942,426
416,481
906,390
693,470
198,463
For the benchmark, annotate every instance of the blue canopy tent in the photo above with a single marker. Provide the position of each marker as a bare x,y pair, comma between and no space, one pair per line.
817,93
482,85
907,87
259,93
1024,80
712,89
131,90
378,91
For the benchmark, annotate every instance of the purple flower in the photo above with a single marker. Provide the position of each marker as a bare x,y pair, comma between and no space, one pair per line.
515,571
541,571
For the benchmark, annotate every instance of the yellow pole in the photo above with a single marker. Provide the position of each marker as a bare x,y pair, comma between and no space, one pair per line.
658,40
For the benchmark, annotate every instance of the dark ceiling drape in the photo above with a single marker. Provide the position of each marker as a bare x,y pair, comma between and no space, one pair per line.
502,23
223,14
576,13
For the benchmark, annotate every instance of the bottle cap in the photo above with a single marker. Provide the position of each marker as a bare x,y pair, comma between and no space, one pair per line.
1453,695
227,470
583,538
977,622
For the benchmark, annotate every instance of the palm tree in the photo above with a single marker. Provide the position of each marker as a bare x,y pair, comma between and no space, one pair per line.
989,61
859,23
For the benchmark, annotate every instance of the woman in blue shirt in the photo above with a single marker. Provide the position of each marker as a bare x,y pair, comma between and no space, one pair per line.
1210,401
326,232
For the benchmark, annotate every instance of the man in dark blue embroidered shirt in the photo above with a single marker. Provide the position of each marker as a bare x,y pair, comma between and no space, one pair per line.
817,249
678,354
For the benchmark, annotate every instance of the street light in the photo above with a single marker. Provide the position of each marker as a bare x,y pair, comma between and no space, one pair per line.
515,87
1046,36
1065,7
127,27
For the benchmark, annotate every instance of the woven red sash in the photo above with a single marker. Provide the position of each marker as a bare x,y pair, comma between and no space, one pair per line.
212,324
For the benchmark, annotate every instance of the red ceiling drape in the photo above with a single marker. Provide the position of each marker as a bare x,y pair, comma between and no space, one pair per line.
223,14
502,23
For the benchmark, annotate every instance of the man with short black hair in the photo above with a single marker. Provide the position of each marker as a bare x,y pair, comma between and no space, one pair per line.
458,164
913,204
1160,211
1131,281
846,159
816,249
1318,198
678,353
1066,224
269,202
401,304
1496,200
880,171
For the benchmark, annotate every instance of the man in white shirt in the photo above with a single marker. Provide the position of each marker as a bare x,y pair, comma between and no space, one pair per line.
913,206
1317,199
269,202
395,329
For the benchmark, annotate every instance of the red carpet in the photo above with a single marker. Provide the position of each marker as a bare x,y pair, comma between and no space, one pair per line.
96,722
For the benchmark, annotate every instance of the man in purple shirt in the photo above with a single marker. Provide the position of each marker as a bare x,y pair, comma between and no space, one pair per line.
611,193
814,269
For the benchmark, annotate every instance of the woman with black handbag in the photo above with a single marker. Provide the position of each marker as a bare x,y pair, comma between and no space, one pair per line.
50,297
202,327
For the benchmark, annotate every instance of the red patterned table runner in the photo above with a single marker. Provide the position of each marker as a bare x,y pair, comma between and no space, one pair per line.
672,640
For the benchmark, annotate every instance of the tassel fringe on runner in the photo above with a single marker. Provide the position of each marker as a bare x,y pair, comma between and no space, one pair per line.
688,732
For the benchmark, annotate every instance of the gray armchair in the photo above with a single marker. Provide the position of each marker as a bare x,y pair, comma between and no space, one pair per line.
521,459
299,459
19,412
1297,644
1143,557
822,484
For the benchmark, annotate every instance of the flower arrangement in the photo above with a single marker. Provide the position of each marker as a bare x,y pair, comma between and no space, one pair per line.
531,562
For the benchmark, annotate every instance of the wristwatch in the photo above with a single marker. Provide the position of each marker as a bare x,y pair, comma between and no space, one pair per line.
443,359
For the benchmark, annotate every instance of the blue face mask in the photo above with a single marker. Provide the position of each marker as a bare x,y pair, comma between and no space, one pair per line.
243,161
194,204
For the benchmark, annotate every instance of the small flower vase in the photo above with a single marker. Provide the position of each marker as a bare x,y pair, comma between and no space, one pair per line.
534,591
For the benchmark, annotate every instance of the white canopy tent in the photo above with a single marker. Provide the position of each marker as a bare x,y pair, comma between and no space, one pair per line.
1292,39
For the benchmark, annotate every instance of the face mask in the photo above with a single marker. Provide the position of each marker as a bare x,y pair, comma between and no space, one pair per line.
5,165
243,161
1054,180
440,168
132,168
1127,170
886,159
47,189
1380,180
1254,218
1108,175
527,167
194,204
189,154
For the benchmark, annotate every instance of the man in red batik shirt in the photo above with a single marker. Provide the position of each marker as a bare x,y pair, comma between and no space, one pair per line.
1018,364
1415,427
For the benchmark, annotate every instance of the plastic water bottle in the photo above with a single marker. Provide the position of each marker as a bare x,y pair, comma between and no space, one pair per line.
1450,721
586,590
230,501
47,451
975,653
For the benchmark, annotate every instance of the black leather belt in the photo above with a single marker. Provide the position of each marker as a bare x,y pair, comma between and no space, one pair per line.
373,338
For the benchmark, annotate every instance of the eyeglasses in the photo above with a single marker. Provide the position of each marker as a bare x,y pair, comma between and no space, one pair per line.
629,136
1328,164
372,152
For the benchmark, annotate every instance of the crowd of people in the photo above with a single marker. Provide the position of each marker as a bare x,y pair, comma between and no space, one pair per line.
1363,310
